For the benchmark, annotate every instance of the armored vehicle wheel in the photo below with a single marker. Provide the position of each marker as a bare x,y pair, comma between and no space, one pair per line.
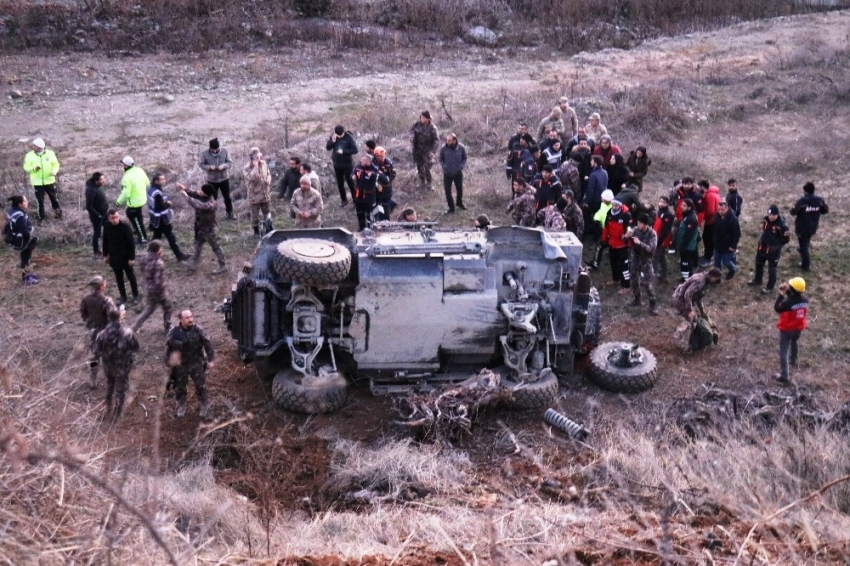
312,262
622,367
533,394
309,394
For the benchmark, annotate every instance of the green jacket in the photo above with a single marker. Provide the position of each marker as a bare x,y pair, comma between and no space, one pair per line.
134,186
47,165
602,213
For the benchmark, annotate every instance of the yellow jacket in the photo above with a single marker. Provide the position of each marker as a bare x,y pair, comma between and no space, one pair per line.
42,168
602,213
134,188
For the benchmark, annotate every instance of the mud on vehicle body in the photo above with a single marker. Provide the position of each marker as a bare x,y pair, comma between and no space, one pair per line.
408,306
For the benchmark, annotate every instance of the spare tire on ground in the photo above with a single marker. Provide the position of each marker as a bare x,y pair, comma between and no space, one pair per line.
622,367
312,261
311,394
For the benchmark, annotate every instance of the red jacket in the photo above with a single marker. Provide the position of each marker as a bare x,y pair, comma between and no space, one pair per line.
709,204
615,228
792,309
696,197
606,154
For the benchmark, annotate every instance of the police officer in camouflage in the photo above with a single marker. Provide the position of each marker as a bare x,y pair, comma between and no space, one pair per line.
153,278
206,226
115,345
523,207
94,309
189,353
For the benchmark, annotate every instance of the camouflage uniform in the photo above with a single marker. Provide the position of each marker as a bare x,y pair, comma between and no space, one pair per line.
523,208
552,219
570,178
115,345
95,308
185,352
206,226
153,279
425,140
310,202
574,220
643,275
688,296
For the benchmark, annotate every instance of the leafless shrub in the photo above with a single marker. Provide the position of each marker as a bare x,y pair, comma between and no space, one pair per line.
649,112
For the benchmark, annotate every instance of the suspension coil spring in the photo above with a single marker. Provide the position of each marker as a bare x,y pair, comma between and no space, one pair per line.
556,419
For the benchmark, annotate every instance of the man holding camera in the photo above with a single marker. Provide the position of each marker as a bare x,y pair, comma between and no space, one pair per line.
792,307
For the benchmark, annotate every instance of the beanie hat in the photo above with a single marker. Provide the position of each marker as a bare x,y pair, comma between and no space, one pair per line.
38,142
798,284
608,195
339,130
807,188
426,114
128,161
773,209
616,202
214,143
207,189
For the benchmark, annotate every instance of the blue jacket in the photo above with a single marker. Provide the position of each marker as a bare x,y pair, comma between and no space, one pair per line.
596,183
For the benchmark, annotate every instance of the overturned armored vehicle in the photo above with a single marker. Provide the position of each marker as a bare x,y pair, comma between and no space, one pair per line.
412,307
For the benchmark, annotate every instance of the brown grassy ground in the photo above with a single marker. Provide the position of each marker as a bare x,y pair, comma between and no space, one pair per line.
763,102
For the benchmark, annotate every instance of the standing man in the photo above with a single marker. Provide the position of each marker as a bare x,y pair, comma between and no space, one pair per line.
727,233
774,235
343,148
547,188
687,240
522,207
258,182
20,234
115,345
710,200
289,182
573,216
663,227
733,199
189,353
365,178
307,205
42,166
386,176
134,185
217,163
568,115
153,278
161,215
97,207
551,122
206,225
453,160
94,309
644,242
425,140
119,251
806,213
792,307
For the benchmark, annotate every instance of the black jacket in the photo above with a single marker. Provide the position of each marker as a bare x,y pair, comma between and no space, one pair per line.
96,204
807,213
774,235
735,202
727,232
346,145
119,244
289,183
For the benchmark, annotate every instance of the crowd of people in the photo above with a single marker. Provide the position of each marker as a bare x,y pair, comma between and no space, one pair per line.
574,179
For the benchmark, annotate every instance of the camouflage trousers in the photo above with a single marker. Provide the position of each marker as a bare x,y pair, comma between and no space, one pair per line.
211,238
198,375
117,383
423,161
151,302
93,361
643,276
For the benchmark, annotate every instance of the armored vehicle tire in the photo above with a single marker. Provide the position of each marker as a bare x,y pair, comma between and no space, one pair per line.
533,394
312,262
639,376
309,394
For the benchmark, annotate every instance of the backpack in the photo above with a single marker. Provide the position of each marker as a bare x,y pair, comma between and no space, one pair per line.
10,234
703,334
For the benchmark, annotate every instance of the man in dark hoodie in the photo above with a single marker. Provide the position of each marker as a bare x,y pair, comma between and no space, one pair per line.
119,251
774,235
806,213
97,207
342,146
727,233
